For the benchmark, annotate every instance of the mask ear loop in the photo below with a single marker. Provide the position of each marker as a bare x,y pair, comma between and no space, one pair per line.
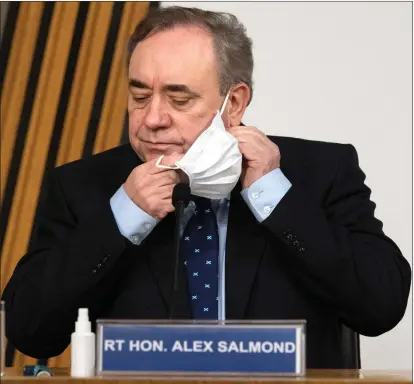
224,103
158,165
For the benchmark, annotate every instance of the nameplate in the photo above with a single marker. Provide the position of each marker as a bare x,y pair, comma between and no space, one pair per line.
200,348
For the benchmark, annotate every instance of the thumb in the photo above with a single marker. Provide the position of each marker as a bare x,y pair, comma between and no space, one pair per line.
171,159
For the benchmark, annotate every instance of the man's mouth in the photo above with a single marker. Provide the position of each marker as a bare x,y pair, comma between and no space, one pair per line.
158,145
158,142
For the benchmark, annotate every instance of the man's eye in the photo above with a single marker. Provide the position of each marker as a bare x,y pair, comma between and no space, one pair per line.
141,99
180,102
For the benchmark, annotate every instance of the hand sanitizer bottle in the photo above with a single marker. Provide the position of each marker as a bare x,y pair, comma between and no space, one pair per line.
83,347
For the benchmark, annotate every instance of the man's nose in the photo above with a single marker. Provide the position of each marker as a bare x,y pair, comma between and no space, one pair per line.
156,116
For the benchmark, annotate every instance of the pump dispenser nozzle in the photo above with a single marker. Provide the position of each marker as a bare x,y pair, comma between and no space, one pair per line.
83,324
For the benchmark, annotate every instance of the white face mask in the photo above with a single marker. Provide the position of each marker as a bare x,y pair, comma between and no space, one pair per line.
213,163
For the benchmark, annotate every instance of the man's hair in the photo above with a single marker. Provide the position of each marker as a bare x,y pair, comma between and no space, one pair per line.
232,46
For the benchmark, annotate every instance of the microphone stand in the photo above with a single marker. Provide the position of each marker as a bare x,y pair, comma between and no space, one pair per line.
180,199
179,209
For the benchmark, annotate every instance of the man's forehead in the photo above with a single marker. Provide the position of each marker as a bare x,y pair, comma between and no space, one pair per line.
186,42
177,56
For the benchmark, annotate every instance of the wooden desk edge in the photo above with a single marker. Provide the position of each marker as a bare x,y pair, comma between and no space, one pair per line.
312,376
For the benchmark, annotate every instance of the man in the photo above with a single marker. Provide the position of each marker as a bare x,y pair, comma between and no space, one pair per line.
278,228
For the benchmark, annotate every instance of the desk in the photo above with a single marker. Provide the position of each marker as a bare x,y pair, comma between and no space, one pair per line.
313,377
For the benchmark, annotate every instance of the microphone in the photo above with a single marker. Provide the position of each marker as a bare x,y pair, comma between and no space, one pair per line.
180,199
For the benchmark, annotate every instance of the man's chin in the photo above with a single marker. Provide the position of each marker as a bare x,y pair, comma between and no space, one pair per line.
147,156
148,152
150,157
155,155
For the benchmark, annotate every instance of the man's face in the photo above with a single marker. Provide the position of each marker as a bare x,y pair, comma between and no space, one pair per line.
173,91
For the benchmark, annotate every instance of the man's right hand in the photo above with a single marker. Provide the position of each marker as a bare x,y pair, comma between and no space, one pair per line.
151,188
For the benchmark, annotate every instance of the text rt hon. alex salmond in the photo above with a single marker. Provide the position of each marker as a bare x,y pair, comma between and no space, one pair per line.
277,228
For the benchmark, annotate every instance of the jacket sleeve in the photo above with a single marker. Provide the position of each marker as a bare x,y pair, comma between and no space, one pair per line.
71,264
339,253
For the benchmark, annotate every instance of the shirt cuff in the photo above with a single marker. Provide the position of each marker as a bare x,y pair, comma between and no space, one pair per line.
265,194
132,221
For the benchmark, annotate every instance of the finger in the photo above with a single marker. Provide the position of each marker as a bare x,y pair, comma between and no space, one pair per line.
241,129
251,151
253,142
165,191
165,210
250,141
235,128
165,178
249,134
169,207
166,161
248,137
152,169
171,159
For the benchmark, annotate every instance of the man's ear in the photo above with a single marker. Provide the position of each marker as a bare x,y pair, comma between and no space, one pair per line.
237,103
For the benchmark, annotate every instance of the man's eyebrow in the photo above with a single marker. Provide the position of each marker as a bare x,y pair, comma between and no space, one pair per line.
138,84
166,88
179,88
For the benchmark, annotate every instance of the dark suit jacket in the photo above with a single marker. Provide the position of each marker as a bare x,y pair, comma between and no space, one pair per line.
320,256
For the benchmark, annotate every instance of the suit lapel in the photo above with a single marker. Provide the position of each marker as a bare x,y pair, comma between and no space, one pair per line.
246,238
244,249
159,249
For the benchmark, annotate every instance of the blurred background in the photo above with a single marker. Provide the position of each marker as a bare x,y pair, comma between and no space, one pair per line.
330,71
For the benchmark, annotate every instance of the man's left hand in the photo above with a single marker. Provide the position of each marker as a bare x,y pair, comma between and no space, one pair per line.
260,155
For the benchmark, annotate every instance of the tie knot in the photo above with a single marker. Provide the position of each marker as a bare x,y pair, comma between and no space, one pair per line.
201,202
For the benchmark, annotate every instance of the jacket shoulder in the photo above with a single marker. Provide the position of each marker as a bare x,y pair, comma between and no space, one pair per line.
103,164
314,145
320,153
317,161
